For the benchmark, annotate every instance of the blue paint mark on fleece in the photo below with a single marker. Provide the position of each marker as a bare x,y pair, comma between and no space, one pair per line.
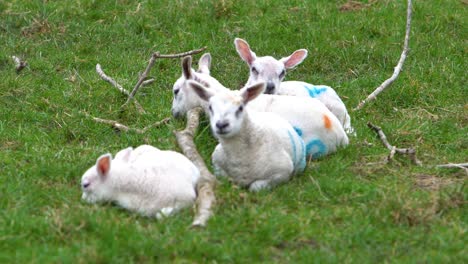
315,91
299,162
316,148
298,131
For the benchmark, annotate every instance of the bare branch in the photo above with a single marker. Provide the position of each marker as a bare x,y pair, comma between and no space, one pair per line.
119,87
19,64
397,69
207,182
153,58
411,152
125,128
463,166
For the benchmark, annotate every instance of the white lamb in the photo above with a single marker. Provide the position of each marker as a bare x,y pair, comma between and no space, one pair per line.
257,150
147,180
184,98
272,71
318,127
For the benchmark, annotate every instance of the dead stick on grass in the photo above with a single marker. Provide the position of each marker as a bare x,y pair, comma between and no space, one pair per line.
397,70
153,58
411,152
463,166
19,64
207,182
119,87
125,128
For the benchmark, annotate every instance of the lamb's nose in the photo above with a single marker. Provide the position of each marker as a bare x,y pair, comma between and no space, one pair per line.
270,88
222,124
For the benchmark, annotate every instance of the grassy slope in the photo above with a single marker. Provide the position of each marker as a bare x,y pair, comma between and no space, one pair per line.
361,213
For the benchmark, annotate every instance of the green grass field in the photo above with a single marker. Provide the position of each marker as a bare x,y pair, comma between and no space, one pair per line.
341,209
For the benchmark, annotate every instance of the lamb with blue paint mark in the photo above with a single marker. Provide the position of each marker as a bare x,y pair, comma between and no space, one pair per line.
318,127
147,180
257,150
272,71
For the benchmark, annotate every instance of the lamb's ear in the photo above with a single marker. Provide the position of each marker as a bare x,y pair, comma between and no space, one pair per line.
200,90
124,154
296,58
244,51
103,165
204,64
187,67
251,92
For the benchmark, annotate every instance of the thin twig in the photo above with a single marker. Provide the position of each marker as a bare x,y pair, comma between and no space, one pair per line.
207,182
397,69
453,165
119,87
318,187
463,166
411,152
153,58
125,128
19,64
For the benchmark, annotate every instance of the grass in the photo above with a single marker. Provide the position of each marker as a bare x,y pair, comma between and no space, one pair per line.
339,210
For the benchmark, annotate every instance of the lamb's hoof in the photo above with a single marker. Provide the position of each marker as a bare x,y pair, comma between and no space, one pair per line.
259,185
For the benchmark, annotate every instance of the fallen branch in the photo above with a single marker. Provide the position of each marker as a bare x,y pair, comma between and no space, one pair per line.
411,152
19,64
119,87
153,58
397,69
207,182
463,166
125,128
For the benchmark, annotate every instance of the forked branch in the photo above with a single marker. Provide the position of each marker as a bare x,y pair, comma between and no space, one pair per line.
411,152
207,182
398,67
153,58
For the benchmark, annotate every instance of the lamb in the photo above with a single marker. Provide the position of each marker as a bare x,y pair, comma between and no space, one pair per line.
273,71
184,98
257,150
318,127
146,180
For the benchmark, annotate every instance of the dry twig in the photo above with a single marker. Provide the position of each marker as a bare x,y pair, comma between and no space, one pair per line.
207,182
125,128
119,87
463,166
411,152
397,69
153,58
19,64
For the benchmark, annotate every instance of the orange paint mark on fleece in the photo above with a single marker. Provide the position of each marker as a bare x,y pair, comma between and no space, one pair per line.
327,121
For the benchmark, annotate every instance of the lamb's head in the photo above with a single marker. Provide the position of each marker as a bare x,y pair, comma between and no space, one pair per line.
267,69
227,108
184,99
93,182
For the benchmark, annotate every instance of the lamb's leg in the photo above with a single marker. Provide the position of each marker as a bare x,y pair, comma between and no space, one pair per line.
217,158
165,212
271,182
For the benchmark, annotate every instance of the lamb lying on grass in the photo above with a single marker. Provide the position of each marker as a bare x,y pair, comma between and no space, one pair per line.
272,71
257,150
146,180
318,127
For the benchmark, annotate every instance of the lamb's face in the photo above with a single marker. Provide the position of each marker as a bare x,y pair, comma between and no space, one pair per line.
181,102
268,70
226,114
92,186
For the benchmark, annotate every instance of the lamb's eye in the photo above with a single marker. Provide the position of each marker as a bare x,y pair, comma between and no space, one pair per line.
176,91
239,110
254,71
282,74
210,108
86,185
